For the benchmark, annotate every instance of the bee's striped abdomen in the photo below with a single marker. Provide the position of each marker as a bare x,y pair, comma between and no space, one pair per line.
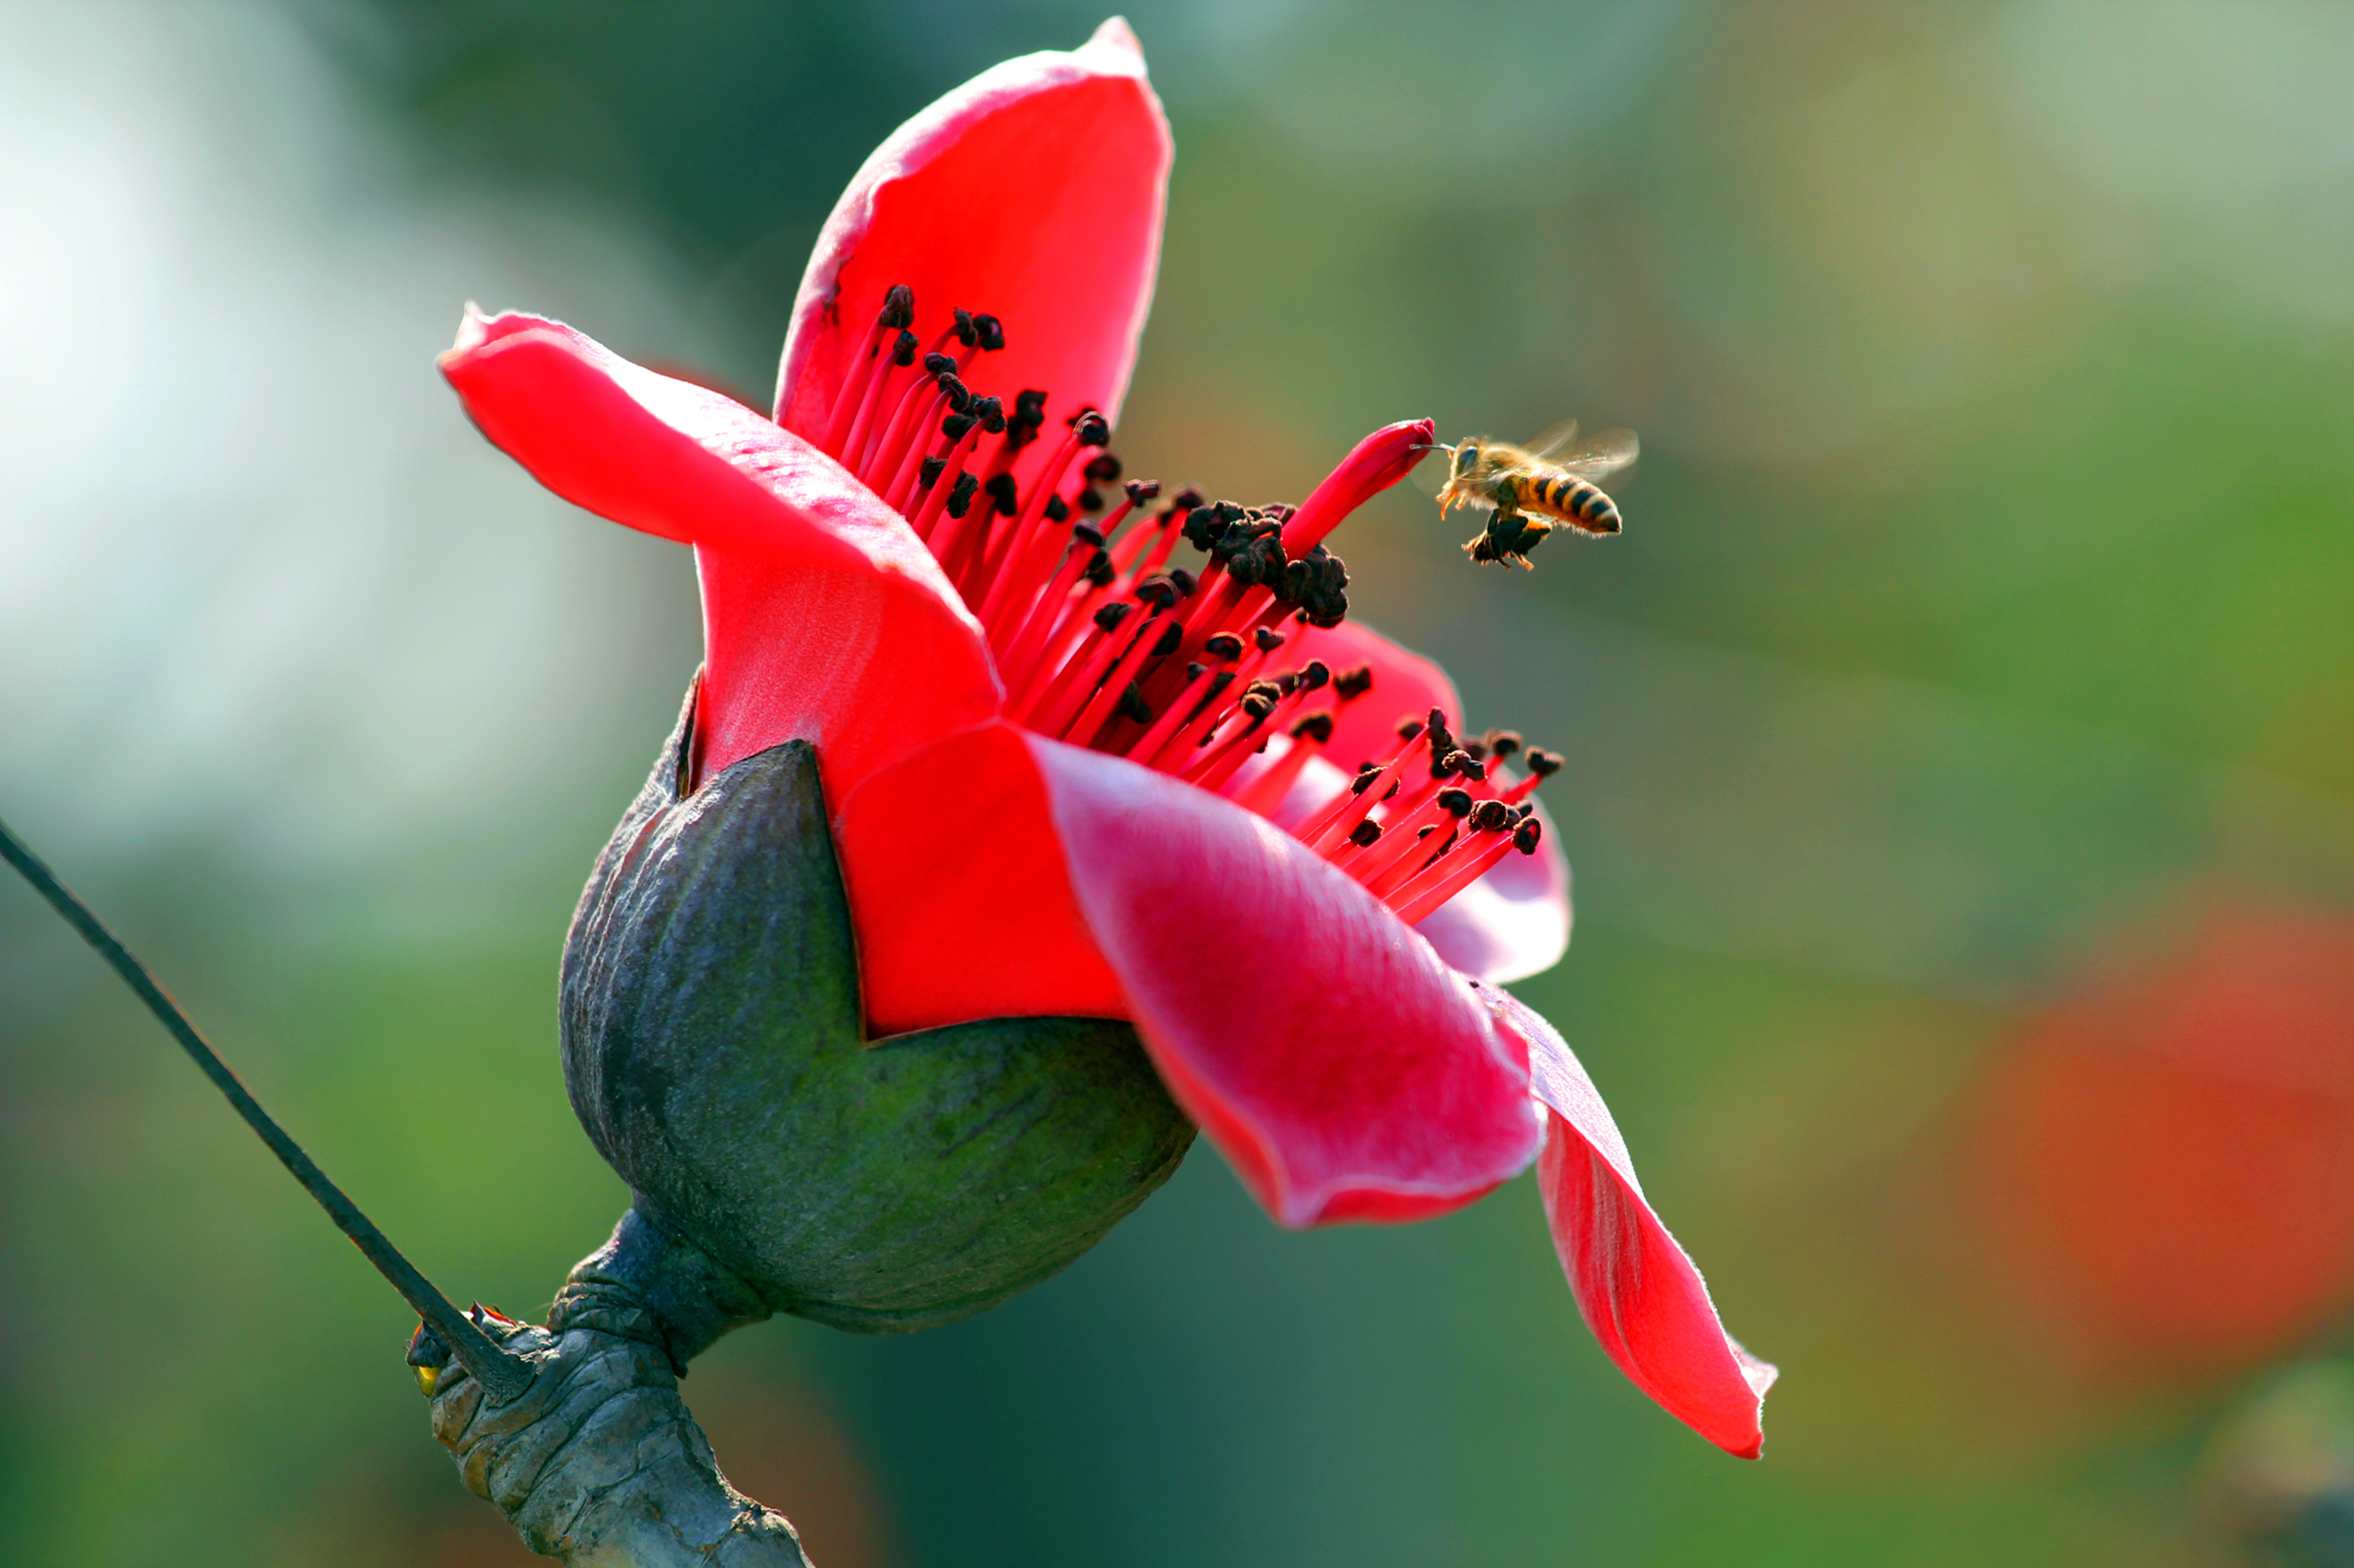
1570,499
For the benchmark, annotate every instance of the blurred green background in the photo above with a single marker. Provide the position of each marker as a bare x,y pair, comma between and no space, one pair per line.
1961,740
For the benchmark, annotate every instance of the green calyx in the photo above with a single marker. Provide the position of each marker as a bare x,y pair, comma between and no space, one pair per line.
715,1049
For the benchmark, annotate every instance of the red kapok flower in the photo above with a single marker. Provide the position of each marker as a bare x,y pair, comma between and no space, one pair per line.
1069,777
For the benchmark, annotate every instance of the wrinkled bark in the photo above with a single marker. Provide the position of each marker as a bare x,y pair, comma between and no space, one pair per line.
598,1463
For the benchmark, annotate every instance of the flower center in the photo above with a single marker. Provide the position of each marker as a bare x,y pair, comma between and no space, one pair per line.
1101,643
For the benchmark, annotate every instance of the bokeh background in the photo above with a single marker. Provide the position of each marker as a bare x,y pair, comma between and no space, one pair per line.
1961,741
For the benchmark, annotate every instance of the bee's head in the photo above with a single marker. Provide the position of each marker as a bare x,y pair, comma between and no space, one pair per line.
1466,458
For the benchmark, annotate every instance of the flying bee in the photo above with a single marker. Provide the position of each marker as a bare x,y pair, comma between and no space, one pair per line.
1534,489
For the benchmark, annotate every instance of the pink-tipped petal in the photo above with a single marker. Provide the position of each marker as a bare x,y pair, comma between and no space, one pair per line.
1637,1288
958,893
1034,192
824,618
1344,1071
1378,461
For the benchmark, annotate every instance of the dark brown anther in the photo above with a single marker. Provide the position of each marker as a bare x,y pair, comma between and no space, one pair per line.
1364,778
1525,810
1092,428
991,330
938,364
960,398
1317,727
928,473
1102,468
1185,582
1445,764
964,329
1172,636
1502,743
1141,491
1187,500
1001,490
1057,509
1488,816
1157,591
1258,703
1390,793
1457,802
1224,645
1317,675
903,351
1267,641
1526,836
1365,832
1543,763
961,495
1353,684
1091,498
1132,704
1471,766
1108,618
1087,535
990,412
1442,738
1030,405
1477,750
1407,729
898,307
1194,671
956,425
1422,833
1101,572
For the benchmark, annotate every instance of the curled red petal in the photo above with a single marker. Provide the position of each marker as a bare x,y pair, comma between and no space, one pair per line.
1344,1071
1034,192
958,893
824,617
1636,1286
1378,461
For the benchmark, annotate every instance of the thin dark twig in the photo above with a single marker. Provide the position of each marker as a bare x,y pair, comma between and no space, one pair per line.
502,1375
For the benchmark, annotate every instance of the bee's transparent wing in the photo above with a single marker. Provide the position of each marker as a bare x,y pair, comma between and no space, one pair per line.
1553,439
1605,454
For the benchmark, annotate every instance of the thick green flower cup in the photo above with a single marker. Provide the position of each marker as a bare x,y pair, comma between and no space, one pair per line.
714,1048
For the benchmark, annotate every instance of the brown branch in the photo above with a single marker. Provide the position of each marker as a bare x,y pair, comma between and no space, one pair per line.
503,1375
575,1430
599,1464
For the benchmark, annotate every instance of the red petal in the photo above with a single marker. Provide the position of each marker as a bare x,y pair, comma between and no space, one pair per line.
1033,191
824,618
1638,1292
1344,1071
959,895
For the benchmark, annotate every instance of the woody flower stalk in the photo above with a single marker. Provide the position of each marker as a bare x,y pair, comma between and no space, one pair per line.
1025,816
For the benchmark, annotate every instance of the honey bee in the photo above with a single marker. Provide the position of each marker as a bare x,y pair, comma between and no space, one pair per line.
1534,489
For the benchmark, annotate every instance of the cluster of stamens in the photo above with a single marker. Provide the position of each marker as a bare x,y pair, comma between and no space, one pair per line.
1101,642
